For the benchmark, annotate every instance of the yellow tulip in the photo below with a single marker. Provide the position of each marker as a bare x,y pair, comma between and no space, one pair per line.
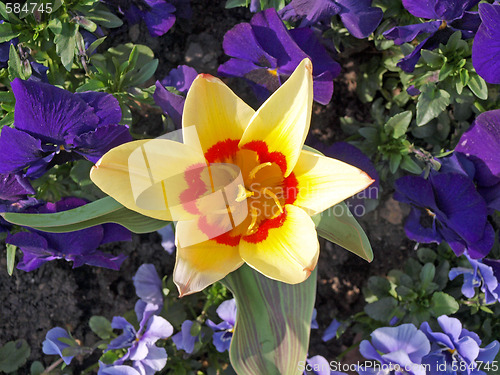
276,185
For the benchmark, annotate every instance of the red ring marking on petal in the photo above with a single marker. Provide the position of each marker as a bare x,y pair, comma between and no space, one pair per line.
263,231
290,186
222,150
260,147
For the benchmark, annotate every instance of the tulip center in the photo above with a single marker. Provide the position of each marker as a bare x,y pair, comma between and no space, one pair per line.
265,188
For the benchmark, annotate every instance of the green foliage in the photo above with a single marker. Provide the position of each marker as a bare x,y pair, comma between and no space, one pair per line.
101,327
11,258
412,295
13,355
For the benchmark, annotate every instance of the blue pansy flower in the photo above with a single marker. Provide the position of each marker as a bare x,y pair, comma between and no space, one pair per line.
223,332
146,357
184,340
449,16
80,246
331,330
318,365
486,46
403,346
148,285
358,16
446,207
167,238
53,346
265,54
480,275
456,345
52,126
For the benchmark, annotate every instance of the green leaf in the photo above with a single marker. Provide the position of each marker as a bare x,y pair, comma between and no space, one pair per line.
339,226
433,59
7,120
446,70
408,164
427,274
36,368
478,86
94,45
7,32
105,210
15,64
273,322
236,3
394,162
13,355
443,304
11,258
430,104
145,73
398,124
101,327
382,309
92,85
65,44
104,18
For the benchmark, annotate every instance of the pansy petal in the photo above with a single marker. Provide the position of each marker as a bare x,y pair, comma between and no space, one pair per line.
105,106
134,174
227,311
170,103
282,122
486,46
215,112
421,8
451,9
288,253
18,150
359,17
94,144
324,182
404,34
50,113
200,265
181,78
147,283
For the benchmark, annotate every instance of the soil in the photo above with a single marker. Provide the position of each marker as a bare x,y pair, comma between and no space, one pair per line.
57,295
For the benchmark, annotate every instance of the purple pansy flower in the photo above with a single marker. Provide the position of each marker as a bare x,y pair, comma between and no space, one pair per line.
167,238
486,46
148,286
53,346
480,275
404,346
456,344
450,16
80,246
265,53
141,350
480,144
358,16
173,104
223,332
53,126
117,370
14,190
183,340
331,330
456,211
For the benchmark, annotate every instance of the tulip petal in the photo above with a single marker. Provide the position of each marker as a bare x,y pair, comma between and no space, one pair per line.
215,111
141,174
282,122
200,265
289,253
324,182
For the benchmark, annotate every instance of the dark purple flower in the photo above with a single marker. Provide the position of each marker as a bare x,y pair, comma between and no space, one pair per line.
53,126
146,357
331,330
404,345
453,210
486,46
80,246
173,104
158,15
14,190
223,332
265,53
450,16
358,16
148,286
184,340
53,346
181,78
480,275
456,344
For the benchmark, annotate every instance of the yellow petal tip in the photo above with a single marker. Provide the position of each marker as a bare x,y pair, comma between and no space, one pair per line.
308,64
